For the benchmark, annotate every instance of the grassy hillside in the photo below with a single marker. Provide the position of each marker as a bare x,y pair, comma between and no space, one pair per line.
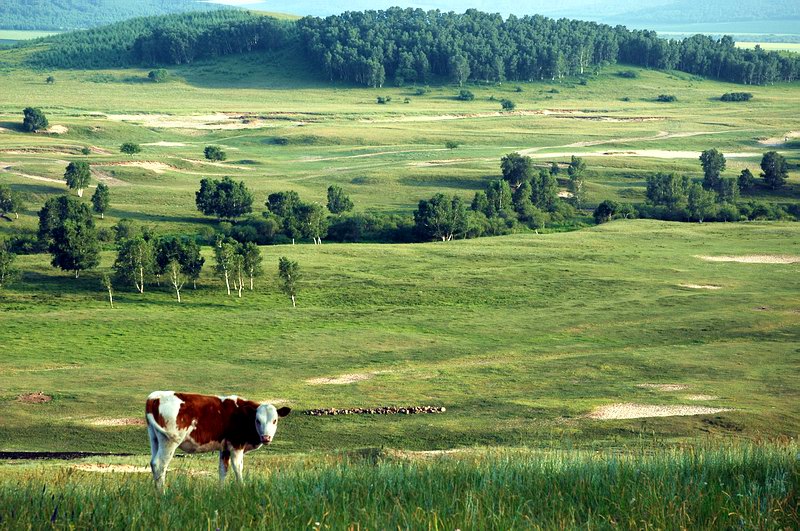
518,337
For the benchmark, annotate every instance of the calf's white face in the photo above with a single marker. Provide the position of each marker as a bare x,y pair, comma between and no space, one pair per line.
267,421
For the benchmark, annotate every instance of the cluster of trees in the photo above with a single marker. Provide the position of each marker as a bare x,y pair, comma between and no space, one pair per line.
412,45
11,202
170,39
524,196
34,120
737,96
225,199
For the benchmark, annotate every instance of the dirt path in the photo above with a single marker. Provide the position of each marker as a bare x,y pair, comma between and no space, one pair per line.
754,259
552,113
6,168
780,140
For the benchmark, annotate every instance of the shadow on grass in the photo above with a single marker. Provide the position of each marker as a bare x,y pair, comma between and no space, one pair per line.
160,218
13,126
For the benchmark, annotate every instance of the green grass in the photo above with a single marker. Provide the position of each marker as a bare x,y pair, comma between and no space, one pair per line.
741,486
519,337
780,46
24,35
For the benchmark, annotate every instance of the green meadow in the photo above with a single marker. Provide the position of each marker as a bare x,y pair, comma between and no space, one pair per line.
523,338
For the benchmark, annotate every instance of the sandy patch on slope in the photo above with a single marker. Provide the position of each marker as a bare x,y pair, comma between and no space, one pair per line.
155,167
7,168
216,121
701,398
780,140
663,387
755,259
700,286
164,143
128,421
108,179
344,379
639,411
55,130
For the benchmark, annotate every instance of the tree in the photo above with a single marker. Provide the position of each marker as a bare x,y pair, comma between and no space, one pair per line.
158,76
252,261
105,280
286,206
214,153
459,69
7,270
441,217
668,190
67,226
554,168
516,169
135,261
34,120
576,181
225,252
10,202
101,199
50,80
313,221
465,95
237,269
713,163
192,261
507,105
727,190
86,151
605,211
746,181
176,276
700,202
226,199
78,176
130,148
544,193
289,272
338,201
775,169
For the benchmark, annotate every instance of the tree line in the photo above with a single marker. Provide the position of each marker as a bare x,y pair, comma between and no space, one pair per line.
414,46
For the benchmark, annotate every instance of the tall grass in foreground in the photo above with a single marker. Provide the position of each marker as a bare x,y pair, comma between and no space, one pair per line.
741,486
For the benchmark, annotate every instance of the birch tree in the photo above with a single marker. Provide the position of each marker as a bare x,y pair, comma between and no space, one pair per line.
7,270
225,252
252,261
106,281
135,261
289,271
177,277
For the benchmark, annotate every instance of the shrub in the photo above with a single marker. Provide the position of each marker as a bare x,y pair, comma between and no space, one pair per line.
421,91
508,105
465,95
628,74
518,89
34,120
451,144
737,96
667,98
86,151
383,100
129,148
214,153
158,76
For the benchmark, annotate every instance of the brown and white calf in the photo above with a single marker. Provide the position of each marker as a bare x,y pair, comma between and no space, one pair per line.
203,423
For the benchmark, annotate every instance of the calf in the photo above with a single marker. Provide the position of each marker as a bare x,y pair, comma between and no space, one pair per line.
202,423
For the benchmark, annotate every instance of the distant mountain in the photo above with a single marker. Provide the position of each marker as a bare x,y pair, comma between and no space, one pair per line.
713,11
80,14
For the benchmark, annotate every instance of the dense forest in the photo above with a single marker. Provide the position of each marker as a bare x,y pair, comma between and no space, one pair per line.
163,40
79,14
415,46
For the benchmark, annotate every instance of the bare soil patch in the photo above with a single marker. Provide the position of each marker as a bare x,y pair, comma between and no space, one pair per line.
700,286
155,167
34,398
755,259
780,140
216,121
126,421
663,387
344,379
552,113
164,143
108,179
701,398
638,411
55,130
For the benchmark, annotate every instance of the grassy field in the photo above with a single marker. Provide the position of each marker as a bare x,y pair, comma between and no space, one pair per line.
520,337
739,486
780,46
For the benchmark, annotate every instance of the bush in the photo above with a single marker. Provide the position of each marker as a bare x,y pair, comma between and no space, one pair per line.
280,141
158,76
34,120
129,148
465,95
214,153
737,96
383,100
508,105
451,144
628,74
86,151
421,91
518,89
667,98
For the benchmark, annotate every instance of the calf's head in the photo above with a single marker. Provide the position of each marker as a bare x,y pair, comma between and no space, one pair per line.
267,421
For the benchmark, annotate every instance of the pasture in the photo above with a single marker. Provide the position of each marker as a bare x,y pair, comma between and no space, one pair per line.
549,346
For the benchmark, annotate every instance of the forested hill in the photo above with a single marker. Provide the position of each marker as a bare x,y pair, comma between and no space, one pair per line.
413,46
79,14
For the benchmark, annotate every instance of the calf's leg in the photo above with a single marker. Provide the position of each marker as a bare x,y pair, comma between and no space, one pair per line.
224,463
238,463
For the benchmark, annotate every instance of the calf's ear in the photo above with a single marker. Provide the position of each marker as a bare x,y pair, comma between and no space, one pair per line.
284,411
